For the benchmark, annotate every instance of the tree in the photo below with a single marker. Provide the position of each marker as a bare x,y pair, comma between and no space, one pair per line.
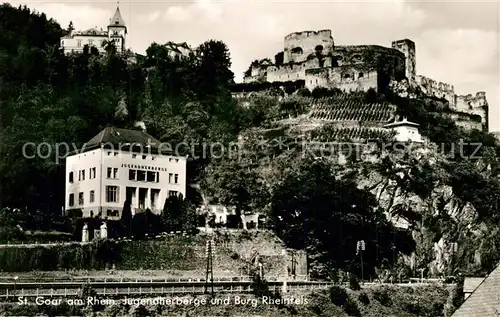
232,184
178,215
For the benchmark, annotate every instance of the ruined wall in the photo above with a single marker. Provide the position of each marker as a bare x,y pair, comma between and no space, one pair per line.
299,45
372,57
407,47
437,89
466,121
350,78
477,105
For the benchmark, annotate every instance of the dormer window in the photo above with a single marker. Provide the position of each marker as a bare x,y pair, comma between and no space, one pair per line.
117,21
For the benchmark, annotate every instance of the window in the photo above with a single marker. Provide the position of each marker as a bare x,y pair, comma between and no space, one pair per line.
151,176
112,194
91,42
170,175
153,158
92,173
144,157
134,155
115,153
176,178
172,193
79,43
91,198
81,175
71,200
360,75
71,177
80,198
141,176
132,175
109,153
112,172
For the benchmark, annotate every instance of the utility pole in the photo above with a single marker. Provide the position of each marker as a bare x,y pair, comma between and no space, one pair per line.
209,254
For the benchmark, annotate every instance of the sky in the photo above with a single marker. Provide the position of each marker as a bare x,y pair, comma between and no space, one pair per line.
457,42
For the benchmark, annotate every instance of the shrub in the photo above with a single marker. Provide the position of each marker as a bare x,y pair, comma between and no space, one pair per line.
364,299
351,308
382,296
338,296
354,283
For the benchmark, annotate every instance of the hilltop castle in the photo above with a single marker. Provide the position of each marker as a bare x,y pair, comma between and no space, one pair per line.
312,56
116,32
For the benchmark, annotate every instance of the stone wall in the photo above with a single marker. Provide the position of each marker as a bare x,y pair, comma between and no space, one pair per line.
345,78
437,89
299,45
476,105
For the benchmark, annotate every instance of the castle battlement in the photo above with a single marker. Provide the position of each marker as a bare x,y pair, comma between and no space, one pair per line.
305,34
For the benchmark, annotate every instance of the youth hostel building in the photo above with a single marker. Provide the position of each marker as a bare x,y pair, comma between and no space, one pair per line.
118,165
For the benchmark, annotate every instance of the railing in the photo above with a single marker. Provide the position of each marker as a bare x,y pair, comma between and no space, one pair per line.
126,288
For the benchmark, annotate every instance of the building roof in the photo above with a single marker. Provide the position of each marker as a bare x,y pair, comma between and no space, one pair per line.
484,299
471,283
117,19
403,122
122,137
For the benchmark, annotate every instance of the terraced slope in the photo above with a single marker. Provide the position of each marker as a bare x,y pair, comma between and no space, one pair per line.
329,134
349,109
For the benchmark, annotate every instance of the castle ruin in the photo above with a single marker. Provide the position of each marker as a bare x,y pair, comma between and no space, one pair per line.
313,57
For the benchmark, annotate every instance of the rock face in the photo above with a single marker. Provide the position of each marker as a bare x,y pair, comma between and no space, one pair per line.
391,188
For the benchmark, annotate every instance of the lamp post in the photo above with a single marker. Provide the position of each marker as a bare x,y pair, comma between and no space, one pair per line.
360,247
15,284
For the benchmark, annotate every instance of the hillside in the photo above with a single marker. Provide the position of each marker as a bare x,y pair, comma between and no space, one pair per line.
171,255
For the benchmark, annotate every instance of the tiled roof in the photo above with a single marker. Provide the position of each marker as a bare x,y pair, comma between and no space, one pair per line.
117,136
485,300
117,19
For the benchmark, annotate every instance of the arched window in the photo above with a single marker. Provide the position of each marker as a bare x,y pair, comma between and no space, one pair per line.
346,76
297,50
319,48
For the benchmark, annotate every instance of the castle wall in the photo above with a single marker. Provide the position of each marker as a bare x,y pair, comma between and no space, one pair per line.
344,78
437,89
372,56
465,121
299,45
477,105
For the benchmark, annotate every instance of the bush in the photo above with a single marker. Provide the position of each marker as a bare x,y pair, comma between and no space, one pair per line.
364,299
354,283
338,296
382,296
351,308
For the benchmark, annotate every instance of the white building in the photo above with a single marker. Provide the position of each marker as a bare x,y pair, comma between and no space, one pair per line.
116,31
405,131
118,165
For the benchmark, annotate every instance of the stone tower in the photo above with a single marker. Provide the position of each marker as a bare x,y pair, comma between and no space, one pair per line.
407,47
117,30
